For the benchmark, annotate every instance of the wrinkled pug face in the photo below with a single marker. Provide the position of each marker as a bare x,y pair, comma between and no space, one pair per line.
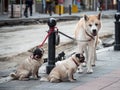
80,57
38,53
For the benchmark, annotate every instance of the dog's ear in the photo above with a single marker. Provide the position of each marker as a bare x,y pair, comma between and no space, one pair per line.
99,16
78,55
86,17
42,50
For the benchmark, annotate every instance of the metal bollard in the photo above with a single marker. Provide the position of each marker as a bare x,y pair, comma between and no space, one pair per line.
118,5
69,9
50,10
11,10
51,46
117,32
42,8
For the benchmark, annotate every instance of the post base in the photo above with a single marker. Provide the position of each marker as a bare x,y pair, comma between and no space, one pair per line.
49,68
117,47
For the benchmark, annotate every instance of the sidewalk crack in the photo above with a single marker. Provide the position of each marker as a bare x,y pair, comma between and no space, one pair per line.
109,84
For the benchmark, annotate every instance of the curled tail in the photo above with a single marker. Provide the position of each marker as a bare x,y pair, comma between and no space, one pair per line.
13,75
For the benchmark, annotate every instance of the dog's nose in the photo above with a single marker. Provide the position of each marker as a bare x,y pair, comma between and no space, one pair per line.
82,59
94,30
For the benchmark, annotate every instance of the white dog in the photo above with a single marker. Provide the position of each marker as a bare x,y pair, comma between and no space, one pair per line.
86,34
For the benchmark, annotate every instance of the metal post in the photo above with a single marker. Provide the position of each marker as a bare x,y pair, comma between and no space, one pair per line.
42,7
1,8
69,9
20,8
51,46
50,10
117,27
11,9
118,5
117,32
59,9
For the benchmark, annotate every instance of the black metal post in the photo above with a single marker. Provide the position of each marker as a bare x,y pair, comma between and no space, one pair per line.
11,10
20,8
50,10
51,45
117,32
117,27
69,9
42,8
118,5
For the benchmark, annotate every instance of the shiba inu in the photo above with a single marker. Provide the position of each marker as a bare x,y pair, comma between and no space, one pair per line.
65,69
86,34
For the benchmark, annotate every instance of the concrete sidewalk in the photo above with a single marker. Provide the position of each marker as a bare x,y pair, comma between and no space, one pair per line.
106,76
40,18
107,13
109,81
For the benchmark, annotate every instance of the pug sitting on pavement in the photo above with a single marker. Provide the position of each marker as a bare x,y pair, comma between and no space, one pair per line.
30,66
65,69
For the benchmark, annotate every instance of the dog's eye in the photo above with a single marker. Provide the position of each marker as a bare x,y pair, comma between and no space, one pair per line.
90,25
96,24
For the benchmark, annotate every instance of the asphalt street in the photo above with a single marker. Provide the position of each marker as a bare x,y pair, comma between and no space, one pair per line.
18,39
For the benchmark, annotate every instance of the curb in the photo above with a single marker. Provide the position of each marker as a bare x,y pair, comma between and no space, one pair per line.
27,21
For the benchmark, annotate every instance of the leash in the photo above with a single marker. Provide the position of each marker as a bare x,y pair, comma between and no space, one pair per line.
51,30
75,39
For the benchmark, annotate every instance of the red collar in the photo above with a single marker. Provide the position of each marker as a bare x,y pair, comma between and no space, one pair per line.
75,62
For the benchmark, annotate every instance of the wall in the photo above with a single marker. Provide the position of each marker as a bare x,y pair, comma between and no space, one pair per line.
67,3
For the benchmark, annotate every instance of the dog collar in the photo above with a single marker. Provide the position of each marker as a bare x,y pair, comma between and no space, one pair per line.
75,62
89,36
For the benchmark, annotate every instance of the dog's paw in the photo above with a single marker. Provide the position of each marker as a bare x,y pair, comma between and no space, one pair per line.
79,71
84,64
72,80
89,71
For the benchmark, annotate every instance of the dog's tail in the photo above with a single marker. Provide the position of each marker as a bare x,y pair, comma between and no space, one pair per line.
44,79
13,76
